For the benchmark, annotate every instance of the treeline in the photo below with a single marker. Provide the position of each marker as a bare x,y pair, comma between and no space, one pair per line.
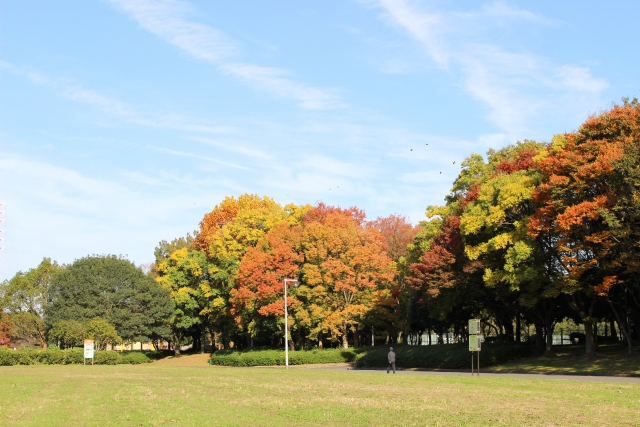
104,298
529,235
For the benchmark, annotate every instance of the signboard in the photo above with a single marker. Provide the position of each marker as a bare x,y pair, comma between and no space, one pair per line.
474,343
88,349
474,326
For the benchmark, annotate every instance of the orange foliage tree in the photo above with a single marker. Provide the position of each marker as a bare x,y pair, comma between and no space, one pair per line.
581,203
258,297
344,264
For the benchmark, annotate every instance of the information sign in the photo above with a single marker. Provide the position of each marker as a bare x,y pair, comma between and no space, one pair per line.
88,349
474,343
474,326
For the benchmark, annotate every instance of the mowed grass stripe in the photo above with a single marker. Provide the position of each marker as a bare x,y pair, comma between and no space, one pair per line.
147,395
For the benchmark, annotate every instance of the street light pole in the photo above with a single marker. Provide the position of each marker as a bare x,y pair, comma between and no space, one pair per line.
286,323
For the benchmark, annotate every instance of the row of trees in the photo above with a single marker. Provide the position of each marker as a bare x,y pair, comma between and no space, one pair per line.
535,233
104,298
532,234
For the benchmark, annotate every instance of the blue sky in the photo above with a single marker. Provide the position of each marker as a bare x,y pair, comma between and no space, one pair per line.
122,122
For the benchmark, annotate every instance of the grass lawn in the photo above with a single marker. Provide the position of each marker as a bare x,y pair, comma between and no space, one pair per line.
612,359
146,395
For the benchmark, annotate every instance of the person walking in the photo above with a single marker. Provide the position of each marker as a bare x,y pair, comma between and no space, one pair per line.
391,357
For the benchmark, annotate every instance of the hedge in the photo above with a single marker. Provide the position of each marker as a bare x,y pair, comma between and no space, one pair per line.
73,356
449,356
276,357
444,356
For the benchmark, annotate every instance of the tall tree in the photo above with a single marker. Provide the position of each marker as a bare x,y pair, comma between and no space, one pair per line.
587,203
183,273
112,288
258,298
226,233
344,263
26,297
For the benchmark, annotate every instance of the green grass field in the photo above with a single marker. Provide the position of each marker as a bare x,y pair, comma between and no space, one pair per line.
149,395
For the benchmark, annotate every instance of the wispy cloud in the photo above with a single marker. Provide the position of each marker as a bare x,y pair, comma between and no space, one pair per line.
424,27
245,151
114,107
166,19
518,87
196,156
275,81
501,10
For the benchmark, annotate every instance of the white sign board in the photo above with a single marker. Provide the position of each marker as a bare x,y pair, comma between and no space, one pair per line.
88,349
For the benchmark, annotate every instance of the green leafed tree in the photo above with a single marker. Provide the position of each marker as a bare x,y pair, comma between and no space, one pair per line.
114,289
183,275
26,297
101,332
67,333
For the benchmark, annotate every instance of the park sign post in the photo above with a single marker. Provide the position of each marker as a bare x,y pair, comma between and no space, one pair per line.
475,342
88,351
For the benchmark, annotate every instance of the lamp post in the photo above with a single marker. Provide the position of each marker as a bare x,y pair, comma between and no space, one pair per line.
286,322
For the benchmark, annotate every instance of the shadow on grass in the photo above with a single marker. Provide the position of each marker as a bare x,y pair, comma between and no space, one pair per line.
612,360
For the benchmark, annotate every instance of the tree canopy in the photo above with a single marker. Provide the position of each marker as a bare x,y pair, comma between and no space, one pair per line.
114,289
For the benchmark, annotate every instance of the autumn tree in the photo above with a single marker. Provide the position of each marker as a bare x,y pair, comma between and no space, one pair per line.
589,202
183,274
344,263
226,233
258,298
394,306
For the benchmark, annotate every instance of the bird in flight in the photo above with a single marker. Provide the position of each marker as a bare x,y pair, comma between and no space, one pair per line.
411,149
440,173
454,162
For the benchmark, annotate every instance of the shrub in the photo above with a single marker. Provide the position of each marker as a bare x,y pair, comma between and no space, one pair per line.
449,356
74,356
135,358
52,356
106,358
258,357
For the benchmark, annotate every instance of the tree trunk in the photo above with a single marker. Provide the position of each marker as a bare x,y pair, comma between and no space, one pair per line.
624,327
614,333
590,345
548,327
518,328
508,330
177,339
345,342
540,345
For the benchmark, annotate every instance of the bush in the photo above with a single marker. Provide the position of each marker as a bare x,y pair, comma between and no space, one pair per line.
107,358
135,358
53,357
256,357
74,356
444,356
